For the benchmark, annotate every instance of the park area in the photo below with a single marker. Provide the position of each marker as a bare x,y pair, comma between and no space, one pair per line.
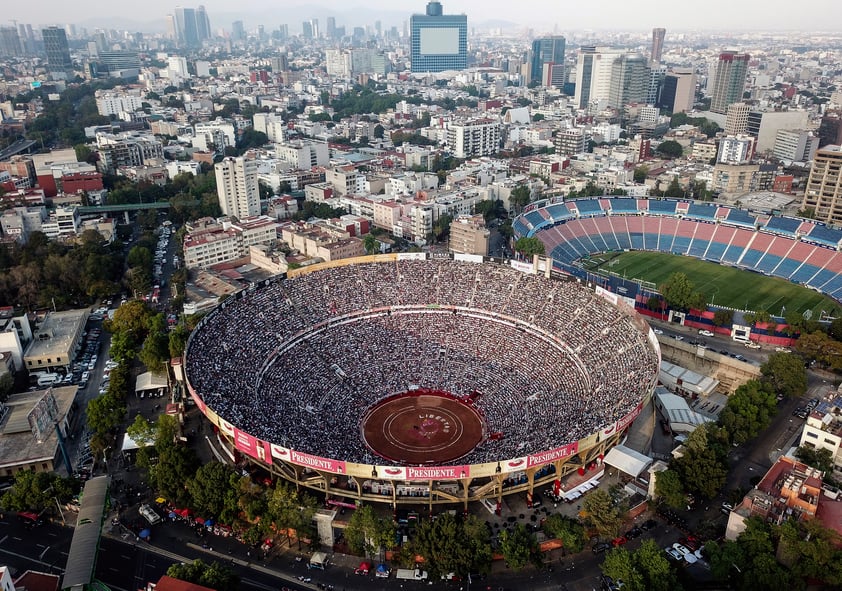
719,284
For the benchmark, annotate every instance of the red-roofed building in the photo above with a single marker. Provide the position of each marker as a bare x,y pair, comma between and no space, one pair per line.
790,489
36,581
166,583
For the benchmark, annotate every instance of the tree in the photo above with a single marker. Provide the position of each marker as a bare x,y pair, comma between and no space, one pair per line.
600,513
105,413
786,374
702,468
674,189
680,293
450,544
519,547
670,149
820,347
748,411
292,512
520,197
570,531
213,575
817,458
132,318
645,569
370,243
640,173
379,131
367,534
214,491
178,340
36,491
670,490
141,431
529,246
723,318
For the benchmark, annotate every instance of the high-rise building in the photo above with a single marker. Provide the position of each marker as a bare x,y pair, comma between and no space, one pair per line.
314,23
678,91
658,35
330,27
58,53
238,31
593,74
629,80
186,29
237,188
824,185
729,81
10,45
547,63
439,42
473,138
203,28
307,30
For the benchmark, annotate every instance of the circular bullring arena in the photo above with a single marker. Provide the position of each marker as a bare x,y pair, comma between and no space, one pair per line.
402,376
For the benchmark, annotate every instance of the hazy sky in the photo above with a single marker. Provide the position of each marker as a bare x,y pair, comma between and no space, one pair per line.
543,15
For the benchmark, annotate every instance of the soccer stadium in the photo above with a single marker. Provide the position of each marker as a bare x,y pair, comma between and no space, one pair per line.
393,377
800,251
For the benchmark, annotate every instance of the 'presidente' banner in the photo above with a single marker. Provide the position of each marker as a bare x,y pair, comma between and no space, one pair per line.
437,472
317,463
559,453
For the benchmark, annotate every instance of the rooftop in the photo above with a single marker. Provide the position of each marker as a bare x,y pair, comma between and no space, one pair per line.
18,444
56,333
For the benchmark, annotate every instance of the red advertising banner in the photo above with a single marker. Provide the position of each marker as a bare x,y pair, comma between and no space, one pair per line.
514,465
629,418
245,443
559,453
226,427
437,472
317,463
282,453
199,402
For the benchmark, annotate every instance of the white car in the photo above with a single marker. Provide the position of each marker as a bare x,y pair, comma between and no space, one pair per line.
752,345
783,350
678,337
685,552
706,333
657,331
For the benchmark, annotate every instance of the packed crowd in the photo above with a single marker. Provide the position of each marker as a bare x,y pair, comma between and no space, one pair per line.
298,358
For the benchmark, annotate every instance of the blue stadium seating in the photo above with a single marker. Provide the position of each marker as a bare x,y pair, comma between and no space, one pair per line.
751,257
662,207
535,218
637,240
825,235
589,207
698,248
741,218
783,225
715,251
650,239
623,238
599,242
733,254
624,205
786,268
768,263
821,278
833,285
703,212
611,242
804,273
680,245
519,227
559,212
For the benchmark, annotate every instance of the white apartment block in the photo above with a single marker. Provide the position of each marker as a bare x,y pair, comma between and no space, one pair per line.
477,137
798,145
302,155
177,167
115,104
237,187
272,125
735,150
227,241
213,129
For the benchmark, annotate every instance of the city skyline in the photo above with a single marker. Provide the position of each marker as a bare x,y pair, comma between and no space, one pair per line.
607,15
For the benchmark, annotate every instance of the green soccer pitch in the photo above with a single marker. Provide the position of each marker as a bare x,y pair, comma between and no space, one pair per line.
720,284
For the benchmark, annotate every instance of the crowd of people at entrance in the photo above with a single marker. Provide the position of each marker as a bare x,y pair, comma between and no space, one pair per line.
299,361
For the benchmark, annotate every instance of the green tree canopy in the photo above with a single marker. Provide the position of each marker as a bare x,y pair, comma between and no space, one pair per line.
645,569
670,149
367,533
748,410
520,197
570,531
450,544
601,513
680,293
35,491
723,318
214,575
519,547
786,374
670,489
529,246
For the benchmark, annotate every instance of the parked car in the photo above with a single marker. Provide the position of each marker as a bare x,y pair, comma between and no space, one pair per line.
674,554
649,524
657,331
600,547
706,333
619,541
678,337
752,345
634,533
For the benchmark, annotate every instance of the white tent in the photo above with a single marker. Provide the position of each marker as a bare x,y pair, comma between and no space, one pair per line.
150,381
627,460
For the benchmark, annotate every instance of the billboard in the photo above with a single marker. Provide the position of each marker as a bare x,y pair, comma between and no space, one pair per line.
317,463
437,472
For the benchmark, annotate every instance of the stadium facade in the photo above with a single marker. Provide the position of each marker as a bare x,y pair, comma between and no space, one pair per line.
607,366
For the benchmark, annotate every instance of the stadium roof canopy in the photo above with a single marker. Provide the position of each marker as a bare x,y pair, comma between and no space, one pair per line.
681,417
81,560
627,460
